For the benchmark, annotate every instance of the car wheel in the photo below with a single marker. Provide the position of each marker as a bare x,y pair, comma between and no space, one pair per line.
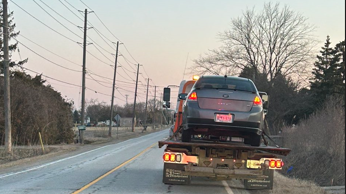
254,140
186,136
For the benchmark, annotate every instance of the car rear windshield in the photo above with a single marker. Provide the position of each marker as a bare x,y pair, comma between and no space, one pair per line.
225,83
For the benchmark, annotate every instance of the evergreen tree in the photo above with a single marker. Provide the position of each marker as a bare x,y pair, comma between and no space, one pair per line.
76,117
329,73
339,61
12,47
323,72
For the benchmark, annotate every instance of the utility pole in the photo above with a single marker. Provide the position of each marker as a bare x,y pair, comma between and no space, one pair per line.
126,98
146,105
115,73
83,76
134,103
7,96
154,109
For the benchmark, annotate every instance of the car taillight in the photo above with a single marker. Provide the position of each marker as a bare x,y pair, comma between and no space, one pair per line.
193,96
257,101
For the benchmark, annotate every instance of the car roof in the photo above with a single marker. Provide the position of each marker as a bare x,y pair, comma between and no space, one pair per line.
220,76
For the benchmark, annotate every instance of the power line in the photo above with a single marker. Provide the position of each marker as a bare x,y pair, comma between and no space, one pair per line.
52,78
100,20
49,51
56,19
45,57
43,23
71,10
69,83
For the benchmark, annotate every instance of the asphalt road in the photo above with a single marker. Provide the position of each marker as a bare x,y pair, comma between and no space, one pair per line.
132,166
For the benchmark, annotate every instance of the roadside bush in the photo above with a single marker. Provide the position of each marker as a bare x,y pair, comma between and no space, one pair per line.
318,146
36,108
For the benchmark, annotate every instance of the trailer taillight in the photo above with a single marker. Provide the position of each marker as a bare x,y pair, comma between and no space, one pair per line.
274,164
278,164
166,157
171,157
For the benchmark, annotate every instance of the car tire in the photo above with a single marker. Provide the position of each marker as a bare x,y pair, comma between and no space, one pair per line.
186,136
254,140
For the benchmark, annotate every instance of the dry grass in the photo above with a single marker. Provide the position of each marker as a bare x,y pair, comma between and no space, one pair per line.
20,152
286,185
318,147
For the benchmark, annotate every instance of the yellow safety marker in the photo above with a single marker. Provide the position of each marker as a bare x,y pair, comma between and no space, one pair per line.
111,171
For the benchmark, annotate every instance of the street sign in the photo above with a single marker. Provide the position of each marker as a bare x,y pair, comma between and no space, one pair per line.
117,118
81,127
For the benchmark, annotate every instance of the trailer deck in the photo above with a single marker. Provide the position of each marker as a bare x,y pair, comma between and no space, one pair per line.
225,145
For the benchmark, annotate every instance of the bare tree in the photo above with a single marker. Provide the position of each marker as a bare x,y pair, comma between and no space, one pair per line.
275,42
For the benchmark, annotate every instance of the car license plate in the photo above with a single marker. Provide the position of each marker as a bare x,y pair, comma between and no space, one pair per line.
224,118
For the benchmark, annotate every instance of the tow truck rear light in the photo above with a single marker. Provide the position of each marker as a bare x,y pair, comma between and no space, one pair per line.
195,77
257,101
193,96
173,158
170,157
166,157
274,164
180,158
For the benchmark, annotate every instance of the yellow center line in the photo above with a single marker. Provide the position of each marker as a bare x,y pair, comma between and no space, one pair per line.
111,171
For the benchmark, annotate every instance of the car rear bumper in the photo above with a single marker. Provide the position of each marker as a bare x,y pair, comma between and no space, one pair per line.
209,126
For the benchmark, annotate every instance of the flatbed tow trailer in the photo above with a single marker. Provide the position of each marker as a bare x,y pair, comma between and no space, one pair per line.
221,161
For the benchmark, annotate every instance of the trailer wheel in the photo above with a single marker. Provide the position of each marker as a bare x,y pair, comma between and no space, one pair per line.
186,136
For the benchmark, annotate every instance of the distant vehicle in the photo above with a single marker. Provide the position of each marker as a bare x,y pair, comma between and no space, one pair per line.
224,107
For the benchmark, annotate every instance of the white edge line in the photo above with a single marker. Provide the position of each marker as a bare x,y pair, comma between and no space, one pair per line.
228,189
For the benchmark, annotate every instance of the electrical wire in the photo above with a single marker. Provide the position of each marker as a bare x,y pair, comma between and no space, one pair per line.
49,50
43,23
57,20
45,57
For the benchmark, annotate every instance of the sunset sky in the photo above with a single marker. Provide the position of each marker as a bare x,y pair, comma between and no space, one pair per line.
163,36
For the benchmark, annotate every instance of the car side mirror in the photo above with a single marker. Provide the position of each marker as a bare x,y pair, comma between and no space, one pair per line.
182,96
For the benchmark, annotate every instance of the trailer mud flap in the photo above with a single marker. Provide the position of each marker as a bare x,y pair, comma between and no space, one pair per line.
261,184
172,174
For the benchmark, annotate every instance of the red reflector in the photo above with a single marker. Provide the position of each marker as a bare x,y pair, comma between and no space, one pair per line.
166,157
257,101
193,96
272,163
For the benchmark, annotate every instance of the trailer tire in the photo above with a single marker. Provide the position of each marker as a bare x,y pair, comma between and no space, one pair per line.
186,136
